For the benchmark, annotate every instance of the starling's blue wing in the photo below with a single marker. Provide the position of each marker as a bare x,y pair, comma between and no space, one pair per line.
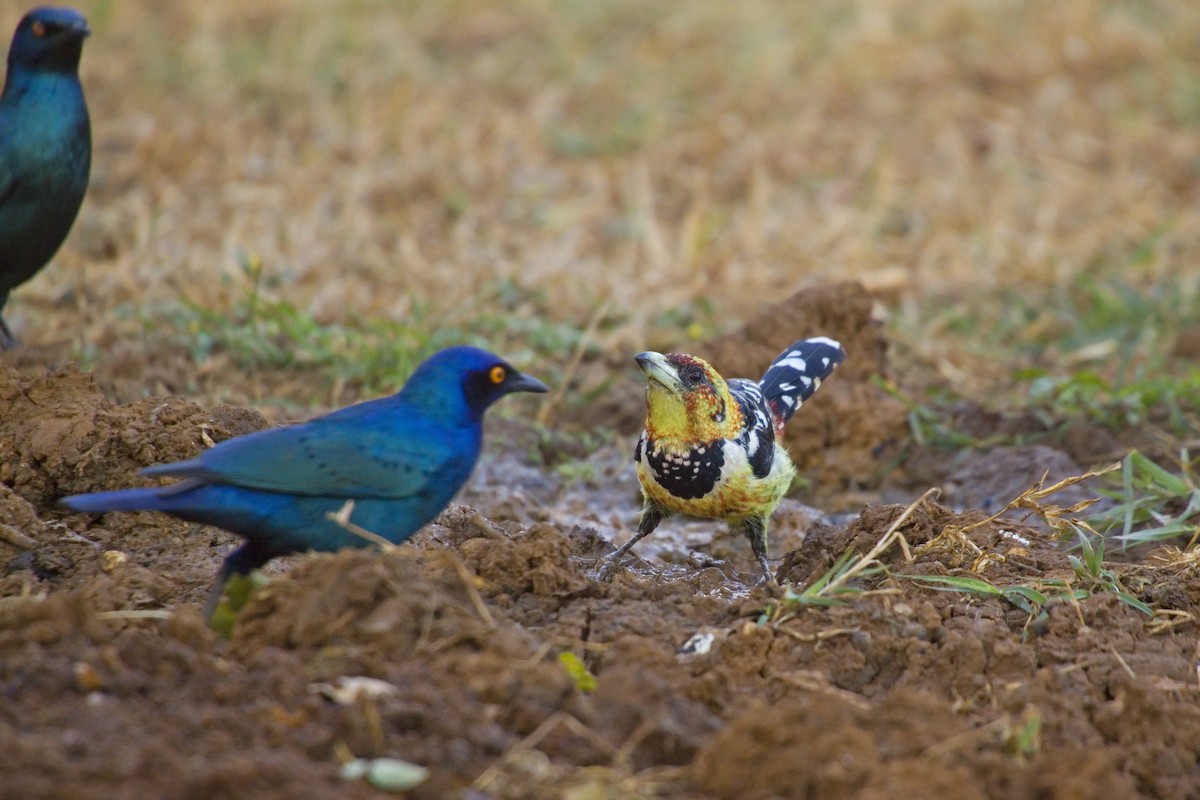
356,455
8,178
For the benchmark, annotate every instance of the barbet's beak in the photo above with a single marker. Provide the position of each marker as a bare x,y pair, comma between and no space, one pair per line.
656,368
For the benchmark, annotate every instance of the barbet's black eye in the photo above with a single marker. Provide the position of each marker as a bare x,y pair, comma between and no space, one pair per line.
692,375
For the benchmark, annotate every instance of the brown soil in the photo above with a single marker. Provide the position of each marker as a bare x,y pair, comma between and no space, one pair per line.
903,692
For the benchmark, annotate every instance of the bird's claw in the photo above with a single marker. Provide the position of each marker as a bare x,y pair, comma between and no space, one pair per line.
604,570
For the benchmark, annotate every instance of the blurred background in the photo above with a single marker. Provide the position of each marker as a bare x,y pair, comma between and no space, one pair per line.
293,202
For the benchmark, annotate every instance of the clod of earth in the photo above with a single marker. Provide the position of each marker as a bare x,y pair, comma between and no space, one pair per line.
909,690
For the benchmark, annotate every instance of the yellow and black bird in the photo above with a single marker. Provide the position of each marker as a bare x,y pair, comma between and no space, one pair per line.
709,449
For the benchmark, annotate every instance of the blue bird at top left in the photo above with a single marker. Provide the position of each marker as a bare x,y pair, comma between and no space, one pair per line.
401,459
45,145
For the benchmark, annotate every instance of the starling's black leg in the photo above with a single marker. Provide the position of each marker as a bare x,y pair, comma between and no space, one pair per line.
652,514
755,529
242,561
7,339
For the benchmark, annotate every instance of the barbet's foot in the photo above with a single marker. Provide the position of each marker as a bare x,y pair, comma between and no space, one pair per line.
652,514
768,575
755,530
605,567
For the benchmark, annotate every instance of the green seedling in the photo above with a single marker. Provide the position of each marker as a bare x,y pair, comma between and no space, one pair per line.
1153,504
582,677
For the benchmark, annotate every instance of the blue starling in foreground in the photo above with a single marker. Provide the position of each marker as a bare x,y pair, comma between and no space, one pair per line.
45,145
710,450
400,459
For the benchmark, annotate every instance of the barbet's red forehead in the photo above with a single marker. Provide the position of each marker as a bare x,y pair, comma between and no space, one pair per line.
681,360
684,364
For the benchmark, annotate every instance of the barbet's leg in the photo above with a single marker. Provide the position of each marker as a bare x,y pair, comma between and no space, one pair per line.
652,514
755,529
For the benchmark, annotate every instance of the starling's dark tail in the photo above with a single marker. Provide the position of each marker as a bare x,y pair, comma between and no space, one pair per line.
120,500
157,498
797,373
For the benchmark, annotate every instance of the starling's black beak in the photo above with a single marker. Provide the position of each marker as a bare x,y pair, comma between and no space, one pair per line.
519,382
78,29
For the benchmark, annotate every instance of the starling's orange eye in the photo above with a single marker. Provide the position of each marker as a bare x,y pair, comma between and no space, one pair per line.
39,30
498,374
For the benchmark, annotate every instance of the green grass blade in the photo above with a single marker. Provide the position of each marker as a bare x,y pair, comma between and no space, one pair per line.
1028,593
1168,531
956,583
1133,602
1167,482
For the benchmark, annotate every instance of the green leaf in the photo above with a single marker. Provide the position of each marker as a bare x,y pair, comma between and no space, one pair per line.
1074,594
815,595
1168,531
584,680
1170,483
1133,602
1025,598
388,774
957,583
235,595
1029,593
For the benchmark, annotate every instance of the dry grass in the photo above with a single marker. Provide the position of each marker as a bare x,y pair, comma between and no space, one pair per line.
685,162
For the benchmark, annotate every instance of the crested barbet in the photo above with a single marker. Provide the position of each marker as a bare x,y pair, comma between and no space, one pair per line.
710,449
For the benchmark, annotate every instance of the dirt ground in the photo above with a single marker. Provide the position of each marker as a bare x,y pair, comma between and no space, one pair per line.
705,684
291,200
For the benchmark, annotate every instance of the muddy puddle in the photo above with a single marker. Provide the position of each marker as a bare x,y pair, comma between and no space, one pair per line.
509,672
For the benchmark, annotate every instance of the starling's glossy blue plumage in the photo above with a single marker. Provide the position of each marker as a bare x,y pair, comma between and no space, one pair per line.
400,459
45,145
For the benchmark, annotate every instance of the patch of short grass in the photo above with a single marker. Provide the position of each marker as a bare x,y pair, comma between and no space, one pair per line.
1152,503
1098,349
369,355
1172,401
1091,576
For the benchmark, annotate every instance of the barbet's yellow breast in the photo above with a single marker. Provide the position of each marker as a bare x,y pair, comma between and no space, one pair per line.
736,494
692,463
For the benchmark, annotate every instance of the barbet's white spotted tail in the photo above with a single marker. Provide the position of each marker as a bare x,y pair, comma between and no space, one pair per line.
797,373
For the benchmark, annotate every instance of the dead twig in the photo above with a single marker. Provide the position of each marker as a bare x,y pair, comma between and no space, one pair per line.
469,579
341,518
589,332
813,682
890,536
530,742
130,613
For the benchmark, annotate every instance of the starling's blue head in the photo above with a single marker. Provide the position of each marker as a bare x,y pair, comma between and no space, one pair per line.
467,378
48,40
